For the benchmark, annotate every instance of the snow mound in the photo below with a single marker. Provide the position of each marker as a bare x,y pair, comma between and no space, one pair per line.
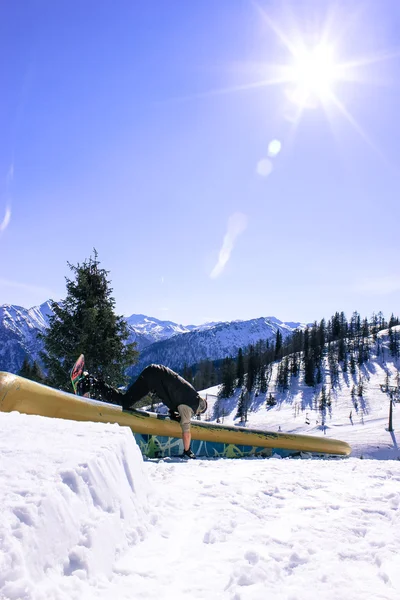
74,497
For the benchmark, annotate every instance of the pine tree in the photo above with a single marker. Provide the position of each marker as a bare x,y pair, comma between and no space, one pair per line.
283,374
352,364
31,371
374,326
318,378
278,344
335,326
26,369
263,381
365,328
295,365
240,369
187,373
36,373
85,323
228,378
251,369
323,398
393,342
341,350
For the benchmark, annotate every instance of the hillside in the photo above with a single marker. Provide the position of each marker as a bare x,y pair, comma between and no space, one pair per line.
361,421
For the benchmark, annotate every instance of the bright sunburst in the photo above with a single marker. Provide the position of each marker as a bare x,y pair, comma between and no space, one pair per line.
313,73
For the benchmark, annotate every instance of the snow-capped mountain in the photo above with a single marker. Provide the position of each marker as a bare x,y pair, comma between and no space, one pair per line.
210,342
19,328
157,341
154,329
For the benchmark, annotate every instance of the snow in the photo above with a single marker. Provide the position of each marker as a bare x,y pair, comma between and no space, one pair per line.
74,496
83,516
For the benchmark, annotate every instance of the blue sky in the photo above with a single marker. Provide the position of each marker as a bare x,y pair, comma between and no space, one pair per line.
140,128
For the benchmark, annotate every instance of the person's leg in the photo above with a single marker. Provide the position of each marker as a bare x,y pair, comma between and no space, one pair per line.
99,390
137,390
186,413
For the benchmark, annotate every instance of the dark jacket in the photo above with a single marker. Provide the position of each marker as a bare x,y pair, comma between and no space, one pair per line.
170,387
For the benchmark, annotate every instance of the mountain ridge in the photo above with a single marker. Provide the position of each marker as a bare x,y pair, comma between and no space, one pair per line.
157,341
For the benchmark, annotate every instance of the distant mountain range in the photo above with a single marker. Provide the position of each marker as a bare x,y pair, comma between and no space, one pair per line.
158,341
210,342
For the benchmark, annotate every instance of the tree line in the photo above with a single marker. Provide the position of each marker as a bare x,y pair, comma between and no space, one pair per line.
343,342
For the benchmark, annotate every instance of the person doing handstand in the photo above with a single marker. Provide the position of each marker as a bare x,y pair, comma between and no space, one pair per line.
175,392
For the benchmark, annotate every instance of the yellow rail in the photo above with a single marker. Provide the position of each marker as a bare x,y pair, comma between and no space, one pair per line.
28,397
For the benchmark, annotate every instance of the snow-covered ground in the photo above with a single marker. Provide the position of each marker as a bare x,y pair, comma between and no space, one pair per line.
83,516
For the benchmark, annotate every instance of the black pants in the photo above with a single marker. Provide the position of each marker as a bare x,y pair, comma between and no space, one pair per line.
127,399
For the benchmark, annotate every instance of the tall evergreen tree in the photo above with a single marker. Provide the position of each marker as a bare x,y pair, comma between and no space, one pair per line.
352,364
365,328
341,349
31,371
26,369
85,322
228,378
240,369
251,369
263,384
278,344
294,367
37,373
187,373
394,345
336,326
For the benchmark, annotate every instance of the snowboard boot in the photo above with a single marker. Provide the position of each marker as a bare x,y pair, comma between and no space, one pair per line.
85,385
188,454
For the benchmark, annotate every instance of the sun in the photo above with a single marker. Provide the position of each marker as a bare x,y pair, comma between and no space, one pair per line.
312,72
312,75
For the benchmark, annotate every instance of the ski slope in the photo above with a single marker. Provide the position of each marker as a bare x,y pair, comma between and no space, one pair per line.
296,410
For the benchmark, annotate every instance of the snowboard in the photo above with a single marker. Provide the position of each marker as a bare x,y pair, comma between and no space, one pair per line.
76,372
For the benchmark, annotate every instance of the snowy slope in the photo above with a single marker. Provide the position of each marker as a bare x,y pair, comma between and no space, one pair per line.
297,409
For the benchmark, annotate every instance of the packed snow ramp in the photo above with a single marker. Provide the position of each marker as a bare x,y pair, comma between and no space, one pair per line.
157,435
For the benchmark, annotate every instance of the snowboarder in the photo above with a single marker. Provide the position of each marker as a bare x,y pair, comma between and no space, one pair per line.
175,392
